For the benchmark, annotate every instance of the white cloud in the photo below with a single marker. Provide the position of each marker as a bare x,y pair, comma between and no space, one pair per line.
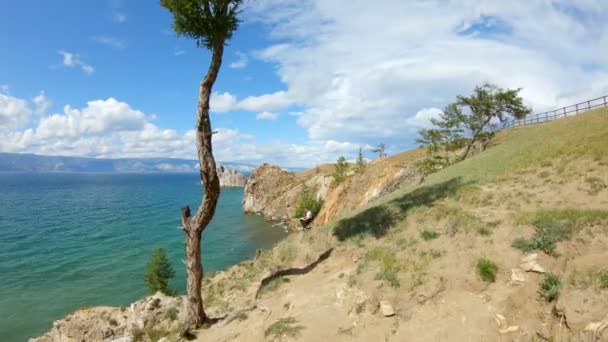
178,52
356,83
42,103
268,102
241,62
14,112
422,119
266,116
222,102
4,88
110,41
73,60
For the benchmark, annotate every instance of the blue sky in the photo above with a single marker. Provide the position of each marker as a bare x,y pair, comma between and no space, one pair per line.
302,81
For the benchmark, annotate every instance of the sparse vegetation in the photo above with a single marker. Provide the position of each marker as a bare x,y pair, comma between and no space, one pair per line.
171,314
428,235
284,327
603,278
552,226
158,272
380,149
486,269
550,287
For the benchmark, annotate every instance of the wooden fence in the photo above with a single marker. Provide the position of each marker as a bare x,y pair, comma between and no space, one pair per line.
558,113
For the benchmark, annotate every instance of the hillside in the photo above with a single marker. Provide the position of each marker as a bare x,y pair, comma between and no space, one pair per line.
508,245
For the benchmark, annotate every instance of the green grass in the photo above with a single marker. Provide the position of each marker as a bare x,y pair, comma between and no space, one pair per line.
389,266
603,278
550,287
284,327
487,269
428,235
554,225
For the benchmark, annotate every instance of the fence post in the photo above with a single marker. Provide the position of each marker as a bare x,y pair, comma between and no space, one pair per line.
564,111
604,101
589,105
577,108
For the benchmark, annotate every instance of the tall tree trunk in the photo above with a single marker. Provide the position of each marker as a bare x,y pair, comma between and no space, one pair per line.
194,226
474,139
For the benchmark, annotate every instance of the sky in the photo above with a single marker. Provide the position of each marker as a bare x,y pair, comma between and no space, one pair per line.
302,81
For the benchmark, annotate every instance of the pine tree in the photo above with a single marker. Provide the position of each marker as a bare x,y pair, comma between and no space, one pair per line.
361,163
159,272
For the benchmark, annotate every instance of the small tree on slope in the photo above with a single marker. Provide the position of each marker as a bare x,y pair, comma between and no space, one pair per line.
470,116
159,272
361,163
211,24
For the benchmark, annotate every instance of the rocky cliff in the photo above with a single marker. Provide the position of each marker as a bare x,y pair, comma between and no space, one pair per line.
230,177
274,192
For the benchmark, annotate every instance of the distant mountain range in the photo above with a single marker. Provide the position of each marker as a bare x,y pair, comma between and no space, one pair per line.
18,162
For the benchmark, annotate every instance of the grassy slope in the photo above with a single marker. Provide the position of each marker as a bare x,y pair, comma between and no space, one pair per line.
405,244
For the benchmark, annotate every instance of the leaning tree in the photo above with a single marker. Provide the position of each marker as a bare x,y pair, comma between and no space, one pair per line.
211,24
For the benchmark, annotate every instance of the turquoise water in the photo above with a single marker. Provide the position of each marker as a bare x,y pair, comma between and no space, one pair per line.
74,240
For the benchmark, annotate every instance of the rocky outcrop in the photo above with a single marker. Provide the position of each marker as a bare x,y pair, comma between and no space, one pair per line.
158,314
274,192
230,177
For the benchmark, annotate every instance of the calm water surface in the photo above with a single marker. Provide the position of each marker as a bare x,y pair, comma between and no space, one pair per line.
74,240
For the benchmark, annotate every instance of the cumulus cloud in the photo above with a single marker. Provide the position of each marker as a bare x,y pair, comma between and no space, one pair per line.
14,112
241,62
222,102
72,60
42,103
356,83
266,116
112,42
422,119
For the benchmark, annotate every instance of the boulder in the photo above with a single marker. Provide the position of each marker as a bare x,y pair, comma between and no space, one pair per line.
387,309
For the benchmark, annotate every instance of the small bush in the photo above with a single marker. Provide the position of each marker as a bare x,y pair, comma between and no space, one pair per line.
487,269
428,235
595,185
552,226
283,327
550,287
484,230
603,278
159,272
308,200
341,167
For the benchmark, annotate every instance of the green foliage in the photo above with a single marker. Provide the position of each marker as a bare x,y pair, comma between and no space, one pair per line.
308,200
428,235
361,163
552,226
389,265
550,287
159,272
603,278
471,115
209,22
487,269
283,327
340,169
595,185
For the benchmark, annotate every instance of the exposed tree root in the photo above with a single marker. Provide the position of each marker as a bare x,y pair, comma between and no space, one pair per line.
222,321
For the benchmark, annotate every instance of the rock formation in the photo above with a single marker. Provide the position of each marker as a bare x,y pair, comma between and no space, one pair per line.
274,192
230,177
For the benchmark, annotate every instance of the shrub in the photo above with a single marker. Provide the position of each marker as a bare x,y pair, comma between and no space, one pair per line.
159,272
603,278
341,167
308,200
283,327
428,235
487,269
595,185
552,226
550,287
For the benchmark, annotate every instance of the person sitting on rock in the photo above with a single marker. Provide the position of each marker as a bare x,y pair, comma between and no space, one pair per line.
305,221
